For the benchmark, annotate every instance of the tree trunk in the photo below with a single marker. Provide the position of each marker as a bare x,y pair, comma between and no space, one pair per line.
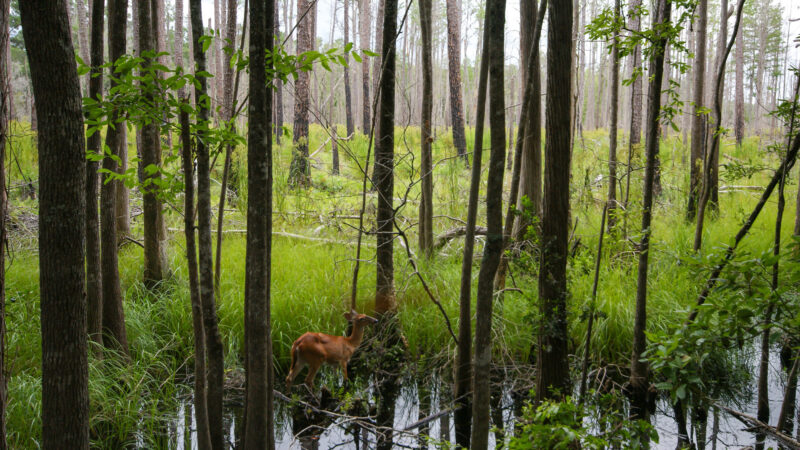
383,171
531,171
739,121
348,102
278,99
200,393
462,415
300,171
612,133
699,119
636,86
62,209
230,48
377,61
363,30
83,44
426,156
717,121
94,284
259,418
454,71
5,117
495,23
122,202
154,253
552,365
206,270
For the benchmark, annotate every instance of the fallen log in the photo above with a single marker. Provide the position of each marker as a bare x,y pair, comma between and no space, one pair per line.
451,234
754,423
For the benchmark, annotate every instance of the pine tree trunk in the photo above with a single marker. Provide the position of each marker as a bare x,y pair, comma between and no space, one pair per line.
300,171
112,311
278,99
377,61
94,283
259,432
62,208
722,39
552,365
739,120
83,42
636,86
495,21
206,271
426,156
612,129
5,117
454,76
640,376
699,120
363,30
348,102
383,171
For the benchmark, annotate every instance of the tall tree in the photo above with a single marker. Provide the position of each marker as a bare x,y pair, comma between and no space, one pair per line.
612,129
62,209
155,260
278,99
300,171
377,60
530,186
5,116
363,31
495,22
383,172
214,355
722,39
426,164
640,377
739,101
454,71
259,432
348,106
552,365
699,119
635,25
83,42
94,284
112,311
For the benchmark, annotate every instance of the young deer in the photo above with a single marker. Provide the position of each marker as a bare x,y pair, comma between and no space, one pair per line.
313,349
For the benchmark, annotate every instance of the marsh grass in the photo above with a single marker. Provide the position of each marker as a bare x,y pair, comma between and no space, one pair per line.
311,279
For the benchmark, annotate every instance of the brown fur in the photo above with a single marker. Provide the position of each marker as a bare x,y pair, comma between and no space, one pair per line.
314,349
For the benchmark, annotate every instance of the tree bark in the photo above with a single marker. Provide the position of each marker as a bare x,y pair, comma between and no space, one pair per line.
383,171
154,253
454,71
426,156
612,129
552,365
62,209
215,375
348,101
739,121
495,23
363,30
699,119
636,87
278,99
259,432
300,171
94,283
717,120
5,116
83,43
640,376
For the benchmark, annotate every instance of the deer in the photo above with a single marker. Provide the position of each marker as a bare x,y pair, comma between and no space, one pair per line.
313,349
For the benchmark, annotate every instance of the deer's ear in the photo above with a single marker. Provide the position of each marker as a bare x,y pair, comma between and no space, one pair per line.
349,316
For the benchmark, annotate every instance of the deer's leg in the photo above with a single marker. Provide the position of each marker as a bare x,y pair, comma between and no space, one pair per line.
343,365
312,372
297,366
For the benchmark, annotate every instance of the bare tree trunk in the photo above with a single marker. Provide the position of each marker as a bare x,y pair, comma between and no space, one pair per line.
426,156
739,121
94,280
83,42
552,365
62,208
463,377
348,102
717,121
383,171
363,30
699,120
636,86
376,61
259,432
612,133
495,23
200,395
278,99
454,71
5,117
215,375
300,171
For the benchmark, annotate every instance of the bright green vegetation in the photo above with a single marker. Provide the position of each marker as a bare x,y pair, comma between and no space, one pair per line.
311,277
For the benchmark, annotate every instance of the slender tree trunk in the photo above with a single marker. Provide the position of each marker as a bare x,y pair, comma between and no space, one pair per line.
739,121
454,71
215,376
495,23
531,171
348,102
94,280
122,201
62,209
377,61
259,418
200,394
5,117
636,87
363,30
230,47
717,120
462,416
278,99
154,253
113,314
83,43
552,365
699,119
426,165
299,173
383,171
612,133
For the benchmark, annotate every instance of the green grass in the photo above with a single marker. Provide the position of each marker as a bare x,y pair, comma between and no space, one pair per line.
311,279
